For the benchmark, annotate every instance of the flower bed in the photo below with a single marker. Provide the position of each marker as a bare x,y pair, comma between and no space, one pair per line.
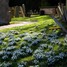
33,46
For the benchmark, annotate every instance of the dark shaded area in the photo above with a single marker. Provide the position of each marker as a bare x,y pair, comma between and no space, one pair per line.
34,4
15,2
29,4
42,12
55,2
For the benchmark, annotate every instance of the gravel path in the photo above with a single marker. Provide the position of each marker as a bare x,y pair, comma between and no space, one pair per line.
15,25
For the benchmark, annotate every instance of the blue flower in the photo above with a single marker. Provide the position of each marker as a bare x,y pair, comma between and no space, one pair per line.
6,64
22,64
35,42
39,54
10,48
43,46
36,62
4,57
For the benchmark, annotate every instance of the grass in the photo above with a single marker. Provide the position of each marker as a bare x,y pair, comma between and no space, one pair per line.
16,20
19,19
27,19
43,21
30,58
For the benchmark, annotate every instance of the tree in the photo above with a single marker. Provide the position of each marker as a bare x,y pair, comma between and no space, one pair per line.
66,4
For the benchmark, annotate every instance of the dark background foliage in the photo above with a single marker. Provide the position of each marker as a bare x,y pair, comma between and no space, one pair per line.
34,4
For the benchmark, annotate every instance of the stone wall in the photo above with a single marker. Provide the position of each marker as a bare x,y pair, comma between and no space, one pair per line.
4,12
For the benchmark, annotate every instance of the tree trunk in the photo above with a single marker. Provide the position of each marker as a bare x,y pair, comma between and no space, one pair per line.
4,12
66,4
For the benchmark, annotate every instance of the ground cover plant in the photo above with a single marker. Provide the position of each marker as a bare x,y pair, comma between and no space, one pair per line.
40,44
